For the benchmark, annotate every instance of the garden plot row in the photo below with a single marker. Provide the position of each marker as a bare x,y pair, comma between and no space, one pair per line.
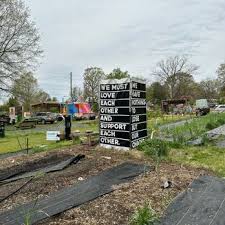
192,129
63,200
133,194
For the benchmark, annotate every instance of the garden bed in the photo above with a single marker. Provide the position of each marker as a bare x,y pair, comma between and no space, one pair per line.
193,129
114,208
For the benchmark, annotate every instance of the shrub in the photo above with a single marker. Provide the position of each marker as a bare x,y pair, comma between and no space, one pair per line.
144,216
155,148
154,114
175,144
211,125
205,139
179,138
95,107
221,121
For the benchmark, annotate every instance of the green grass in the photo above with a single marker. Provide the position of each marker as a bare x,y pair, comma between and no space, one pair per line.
155,122
195,128
207,157
144,216
37,139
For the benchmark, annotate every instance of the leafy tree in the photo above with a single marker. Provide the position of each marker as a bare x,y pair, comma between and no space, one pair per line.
19,42
196,92
4,108
184,85
42,96
222,93
209,88
221,74
117,74
49,99
92,77
221,81
27,92
169,72
54,99
12,101
156,93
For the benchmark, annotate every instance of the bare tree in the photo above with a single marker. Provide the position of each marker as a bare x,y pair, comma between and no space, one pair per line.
42,96
76,93
210,88
221,74
92,78
19,41
168,71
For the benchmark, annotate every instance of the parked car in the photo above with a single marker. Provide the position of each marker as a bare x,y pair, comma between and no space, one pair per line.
58,116
212,105
220,108
27,124
44,117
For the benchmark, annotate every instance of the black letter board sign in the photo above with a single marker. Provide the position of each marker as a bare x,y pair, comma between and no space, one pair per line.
123,120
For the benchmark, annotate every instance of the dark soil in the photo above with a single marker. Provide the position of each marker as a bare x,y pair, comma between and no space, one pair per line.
114,208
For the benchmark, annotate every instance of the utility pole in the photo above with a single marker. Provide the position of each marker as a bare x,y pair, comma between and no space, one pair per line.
71,88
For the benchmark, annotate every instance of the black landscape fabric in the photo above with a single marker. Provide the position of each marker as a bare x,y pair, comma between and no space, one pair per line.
203,203
10,176
12,154
32,166
73,196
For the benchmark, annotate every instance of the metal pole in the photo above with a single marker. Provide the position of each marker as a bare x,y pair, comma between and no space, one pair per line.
71,88
27,145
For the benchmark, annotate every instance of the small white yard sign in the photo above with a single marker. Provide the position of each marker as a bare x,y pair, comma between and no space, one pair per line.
53,135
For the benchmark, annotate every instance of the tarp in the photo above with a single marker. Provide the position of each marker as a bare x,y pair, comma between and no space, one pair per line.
203,203
72,109
73,196
17,175
12,154
78,108
84,108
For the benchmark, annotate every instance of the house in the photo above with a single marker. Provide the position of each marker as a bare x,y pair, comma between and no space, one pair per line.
49,106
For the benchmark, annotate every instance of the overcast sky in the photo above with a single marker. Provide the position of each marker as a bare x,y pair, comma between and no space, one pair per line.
131,34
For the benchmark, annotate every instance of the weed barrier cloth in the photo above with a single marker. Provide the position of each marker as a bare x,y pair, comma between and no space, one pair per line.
217,131
13,154
10,176
31,166
73,196
203,203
